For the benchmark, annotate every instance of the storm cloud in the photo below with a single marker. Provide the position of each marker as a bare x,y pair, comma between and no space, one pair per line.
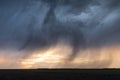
38,24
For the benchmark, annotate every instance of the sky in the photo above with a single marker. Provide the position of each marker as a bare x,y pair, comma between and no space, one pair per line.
59,34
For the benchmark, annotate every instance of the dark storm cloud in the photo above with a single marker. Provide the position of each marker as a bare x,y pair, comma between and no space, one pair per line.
41,23
108,28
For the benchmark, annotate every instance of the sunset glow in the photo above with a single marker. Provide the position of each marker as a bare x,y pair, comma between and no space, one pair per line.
53,58
56,57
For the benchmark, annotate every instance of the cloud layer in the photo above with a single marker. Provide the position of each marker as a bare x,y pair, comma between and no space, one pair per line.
30,25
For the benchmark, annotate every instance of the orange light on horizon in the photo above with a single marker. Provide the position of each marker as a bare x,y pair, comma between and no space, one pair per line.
56,57
49,58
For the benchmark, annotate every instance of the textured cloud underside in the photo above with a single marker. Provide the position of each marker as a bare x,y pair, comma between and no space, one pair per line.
59,34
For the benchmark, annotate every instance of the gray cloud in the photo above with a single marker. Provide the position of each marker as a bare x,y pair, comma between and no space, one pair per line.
41,23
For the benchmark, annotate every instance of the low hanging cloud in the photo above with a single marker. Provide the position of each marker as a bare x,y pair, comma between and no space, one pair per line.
32,25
